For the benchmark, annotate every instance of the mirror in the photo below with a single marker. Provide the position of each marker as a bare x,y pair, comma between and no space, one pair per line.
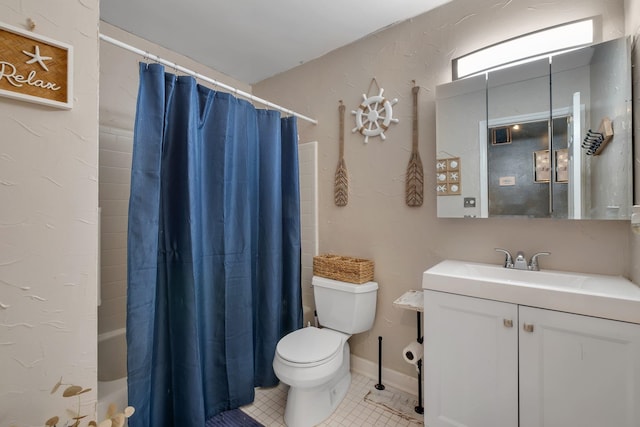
518,105
545,139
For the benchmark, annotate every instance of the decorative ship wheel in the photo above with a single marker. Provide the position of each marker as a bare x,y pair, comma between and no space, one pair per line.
374,116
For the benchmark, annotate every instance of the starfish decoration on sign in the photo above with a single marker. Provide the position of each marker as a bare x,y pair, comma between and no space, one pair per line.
36,57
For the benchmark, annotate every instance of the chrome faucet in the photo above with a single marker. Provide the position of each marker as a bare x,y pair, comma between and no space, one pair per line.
533,262
520,262
508,260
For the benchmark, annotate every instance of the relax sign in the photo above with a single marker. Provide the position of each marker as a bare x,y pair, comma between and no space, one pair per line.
34,68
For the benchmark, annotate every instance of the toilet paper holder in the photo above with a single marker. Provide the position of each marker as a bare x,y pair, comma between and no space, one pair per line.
414,300
409,355
412,354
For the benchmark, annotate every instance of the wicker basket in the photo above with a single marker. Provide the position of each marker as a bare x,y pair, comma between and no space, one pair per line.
343,268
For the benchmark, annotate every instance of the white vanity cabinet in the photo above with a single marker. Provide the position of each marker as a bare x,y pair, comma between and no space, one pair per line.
493,364
578,370
470,361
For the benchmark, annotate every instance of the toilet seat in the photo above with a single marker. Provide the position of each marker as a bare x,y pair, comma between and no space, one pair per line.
310,346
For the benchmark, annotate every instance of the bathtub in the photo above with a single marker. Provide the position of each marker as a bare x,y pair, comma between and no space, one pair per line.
112,371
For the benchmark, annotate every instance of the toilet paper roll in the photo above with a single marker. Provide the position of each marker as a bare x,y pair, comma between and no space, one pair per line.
412,353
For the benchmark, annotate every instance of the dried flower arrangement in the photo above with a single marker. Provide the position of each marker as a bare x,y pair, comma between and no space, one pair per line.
113,417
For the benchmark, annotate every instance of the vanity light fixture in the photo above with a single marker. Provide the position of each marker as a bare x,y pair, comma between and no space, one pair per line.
525,48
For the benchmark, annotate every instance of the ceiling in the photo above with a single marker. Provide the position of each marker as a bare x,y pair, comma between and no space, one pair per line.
251,40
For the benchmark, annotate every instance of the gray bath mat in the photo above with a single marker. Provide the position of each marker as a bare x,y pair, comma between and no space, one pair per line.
232,418
396,401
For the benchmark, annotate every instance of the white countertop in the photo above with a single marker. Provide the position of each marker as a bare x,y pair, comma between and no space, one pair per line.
610,297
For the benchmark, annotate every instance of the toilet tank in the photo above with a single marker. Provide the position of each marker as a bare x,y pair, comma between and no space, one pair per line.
345,307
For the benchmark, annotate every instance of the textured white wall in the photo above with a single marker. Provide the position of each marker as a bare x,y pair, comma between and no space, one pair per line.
377,224
48,228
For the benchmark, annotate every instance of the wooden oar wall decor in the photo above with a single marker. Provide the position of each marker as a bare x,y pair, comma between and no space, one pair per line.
341,187
415,173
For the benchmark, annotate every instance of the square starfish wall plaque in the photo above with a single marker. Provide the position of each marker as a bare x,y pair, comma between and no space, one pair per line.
448,180
35,68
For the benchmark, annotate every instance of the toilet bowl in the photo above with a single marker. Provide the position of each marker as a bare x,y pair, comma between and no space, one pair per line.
318,380
314,362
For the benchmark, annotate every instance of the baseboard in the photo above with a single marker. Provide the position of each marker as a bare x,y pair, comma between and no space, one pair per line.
390,377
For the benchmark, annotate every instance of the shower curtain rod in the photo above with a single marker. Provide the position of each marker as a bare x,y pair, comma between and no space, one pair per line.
197,75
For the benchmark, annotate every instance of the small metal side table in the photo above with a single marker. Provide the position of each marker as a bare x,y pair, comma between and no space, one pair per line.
414,300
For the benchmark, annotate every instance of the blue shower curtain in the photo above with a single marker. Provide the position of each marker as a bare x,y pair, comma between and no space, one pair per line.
213,250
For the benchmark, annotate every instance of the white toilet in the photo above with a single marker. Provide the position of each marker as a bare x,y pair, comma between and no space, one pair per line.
315,362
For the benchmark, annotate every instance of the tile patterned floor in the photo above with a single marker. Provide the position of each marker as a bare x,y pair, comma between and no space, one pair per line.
268,408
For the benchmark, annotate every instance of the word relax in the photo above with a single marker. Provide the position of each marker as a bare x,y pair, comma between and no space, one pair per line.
8,71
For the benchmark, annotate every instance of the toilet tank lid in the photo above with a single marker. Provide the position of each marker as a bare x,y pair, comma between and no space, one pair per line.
354,288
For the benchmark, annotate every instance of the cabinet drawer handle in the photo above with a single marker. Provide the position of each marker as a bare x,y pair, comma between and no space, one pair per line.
508,323
527,327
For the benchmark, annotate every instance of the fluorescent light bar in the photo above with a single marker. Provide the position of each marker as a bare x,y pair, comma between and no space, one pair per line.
530,45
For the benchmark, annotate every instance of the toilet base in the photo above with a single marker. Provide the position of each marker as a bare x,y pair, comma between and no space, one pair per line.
307,407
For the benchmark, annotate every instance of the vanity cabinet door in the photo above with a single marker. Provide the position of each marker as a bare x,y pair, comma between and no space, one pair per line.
578,370
470,361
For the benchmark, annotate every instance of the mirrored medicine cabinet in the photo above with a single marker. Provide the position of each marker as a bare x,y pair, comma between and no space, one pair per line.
549,138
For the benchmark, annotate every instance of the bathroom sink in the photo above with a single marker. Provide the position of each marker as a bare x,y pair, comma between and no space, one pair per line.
497,273
612,297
